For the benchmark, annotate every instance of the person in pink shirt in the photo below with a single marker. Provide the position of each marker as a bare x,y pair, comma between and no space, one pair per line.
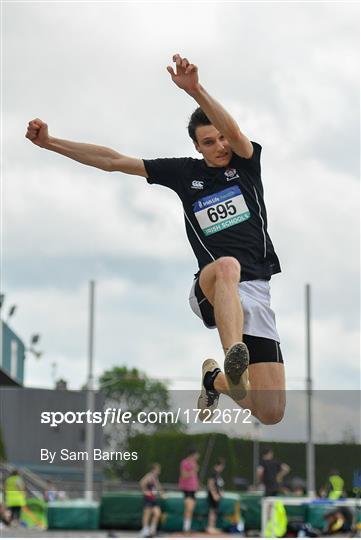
188,483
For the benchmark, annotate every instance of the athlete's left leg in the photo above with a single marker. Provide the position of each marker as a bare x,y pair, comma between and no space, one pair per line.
189,504
266,398
145,520
156,513
266,391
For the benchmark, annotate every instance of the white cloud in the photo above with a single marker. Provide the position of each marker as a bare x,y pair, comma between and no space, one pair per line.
75,215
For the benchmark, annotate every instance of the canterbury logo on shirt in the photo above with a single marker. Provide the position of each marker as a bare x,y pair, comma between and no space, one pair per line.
197,184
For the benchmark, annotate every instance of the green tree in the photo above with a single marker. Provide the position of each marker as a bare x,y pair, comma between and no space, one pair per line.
133,391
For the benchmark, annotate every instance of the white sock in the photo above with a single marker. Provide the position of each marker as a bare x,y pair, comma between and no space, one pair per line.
187,525
144,531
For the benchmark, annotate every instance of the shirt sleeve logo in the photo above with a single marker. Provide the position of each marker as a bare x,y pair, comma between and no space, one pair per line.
231,174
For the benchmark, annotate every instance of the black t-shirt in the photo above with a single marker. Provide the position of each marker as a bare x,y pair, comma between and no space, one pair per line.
224,210
271,468
218,483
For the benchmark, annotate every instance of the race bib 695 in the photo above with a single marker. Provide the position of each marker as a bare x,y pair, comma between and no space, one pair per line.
221,210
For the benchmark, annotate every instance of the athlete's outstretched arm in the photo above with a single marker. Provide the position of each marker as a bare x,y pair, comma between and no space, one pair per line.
186,78
88,154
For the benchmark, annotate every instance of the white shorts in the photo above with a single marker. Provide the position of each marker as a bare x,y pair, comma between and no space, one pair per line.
259,318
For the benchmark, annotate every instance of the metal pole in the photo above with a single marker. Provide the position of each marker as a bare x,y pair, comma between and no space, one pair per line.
90,402
207,457
2,298
256,453
310,459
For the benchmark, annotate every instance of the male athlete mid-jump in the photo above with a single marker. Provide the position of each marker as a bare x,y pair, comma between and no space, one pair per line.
226,224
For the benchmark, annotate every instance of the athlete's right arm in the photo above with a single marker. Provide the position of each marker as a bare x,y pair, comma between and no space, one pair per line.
88,154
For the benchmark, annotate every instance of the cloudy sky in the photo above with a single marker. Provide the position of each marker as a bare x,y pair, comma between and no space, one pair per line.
96,72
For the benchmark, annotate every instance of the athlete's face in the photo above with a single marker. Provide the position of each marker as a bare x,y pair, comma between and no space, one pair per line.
213,146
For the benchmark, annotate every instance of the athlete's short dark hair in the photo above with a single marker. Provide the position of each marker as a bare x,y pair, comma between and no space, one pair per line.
198,118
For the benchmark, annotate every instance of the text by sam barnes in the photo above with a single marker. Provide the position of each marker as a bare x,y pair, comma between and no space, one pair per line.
98,455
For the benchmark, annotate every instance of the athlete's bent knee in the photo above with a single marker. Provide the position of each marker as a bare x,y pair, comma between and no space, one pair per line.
228,268
271,416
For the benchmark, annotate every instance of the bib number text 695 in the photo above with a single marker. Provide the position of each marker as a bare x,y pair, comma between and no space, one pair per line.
221,211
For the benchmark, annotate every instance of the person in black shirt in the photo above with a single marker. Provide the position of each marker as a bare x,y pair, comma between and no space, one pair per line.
271,473
215,493
226,224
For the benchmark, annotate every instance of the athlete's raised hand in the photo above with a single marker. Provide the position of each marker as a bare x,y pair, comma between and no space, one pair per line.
37,132
186,74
